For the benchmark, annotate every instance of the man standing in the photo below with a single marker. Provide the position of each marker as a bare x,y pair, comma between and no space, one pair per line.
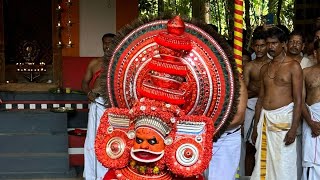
316,35
93,169
251,74
278,112
226,151
311,125
295,46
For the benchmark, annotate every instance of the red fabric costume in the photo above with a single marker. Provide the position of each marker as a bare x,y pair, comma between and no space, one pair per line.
94,78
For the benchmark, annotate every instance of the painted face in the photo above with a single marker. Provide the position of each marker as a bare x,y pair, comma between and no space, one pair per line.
148,146
106,43
295,45
260,48
275,47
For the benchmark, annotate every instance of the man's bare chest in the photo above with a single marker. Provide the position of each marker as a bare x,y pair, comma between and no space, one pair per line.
313,81
282,77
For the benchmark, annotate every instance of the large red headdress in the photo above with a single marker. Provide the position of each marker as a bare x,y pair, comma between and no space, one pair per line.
169,78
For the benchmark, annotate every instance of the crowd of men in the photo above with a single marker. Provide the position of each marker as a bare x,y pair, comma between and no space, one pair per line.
280,107
282,120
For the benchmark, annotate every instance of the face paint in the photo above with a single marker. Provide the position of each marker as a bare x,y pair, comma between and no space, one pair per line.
148,146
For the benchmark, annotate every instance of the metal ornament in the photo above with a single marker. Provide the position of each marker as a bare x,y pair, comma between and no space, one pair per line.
187,154
115,147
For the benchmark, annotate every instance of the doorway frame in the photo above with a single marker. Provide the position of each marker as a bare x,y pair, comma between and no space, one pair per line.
56,59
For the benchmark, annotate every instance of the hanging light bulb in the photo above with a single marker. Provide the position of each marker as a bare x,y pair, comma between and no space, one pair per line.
59,8
69,3
69,45
59,45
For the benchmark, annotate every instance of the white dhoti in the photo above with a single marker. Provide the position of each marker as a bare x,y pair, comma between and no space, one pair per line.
93,169
248,121
275,160
225,156
247,131
311,147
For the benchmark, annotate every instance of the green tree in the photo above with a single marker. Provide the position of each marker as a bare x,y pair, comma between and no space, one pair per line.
221,12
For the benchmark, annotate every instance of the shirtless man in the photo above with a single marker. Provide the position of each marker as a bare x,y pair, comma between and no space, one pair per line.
295,46
278,112
91,85
91,82
252,69
316,35
226,151
251,75
311,125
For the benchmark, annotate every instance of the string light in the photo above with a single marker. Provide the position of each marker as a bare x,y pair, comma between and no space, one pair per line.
69,23
61,26
59,11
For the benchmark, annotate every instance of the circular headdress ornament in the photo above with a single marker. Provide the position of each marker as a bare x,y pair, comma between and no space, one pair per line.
175,62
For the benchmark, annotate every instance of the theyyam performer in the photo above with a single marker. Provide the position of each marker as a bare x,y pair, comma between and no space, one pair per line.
172,87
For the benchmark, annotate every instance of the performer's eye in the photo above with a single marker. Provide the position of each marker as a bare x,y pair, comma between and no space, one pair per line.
138,140
152,141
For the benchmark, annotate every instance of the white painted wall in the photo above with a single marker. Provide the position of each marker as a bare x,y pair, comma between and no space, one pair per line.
97,17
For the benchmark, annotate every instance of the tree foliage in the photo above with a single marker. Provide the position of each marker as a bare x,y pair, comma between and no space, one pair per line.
221,12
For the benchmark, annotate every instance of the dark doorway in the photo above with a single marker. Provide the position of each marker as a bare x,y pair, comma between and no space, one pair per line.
27,26
31,21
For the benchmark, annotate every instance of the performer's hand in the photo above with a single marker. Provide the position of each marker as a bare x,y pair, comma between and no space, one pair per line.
315,128
254,135
290,137
91,96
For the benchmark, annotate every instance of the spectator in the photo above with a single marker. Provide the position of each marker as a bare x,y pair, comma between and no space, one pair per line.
252,80
277,113
93,169
311,125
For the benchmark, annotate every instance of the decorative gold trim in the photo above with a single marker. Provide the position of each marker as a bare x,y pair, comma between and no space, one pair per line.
263,155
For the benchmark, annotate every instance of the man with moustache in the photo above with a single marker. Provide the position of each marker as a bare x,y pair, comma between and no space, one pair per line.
91,85
278,111
311,114
295,46
251,75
